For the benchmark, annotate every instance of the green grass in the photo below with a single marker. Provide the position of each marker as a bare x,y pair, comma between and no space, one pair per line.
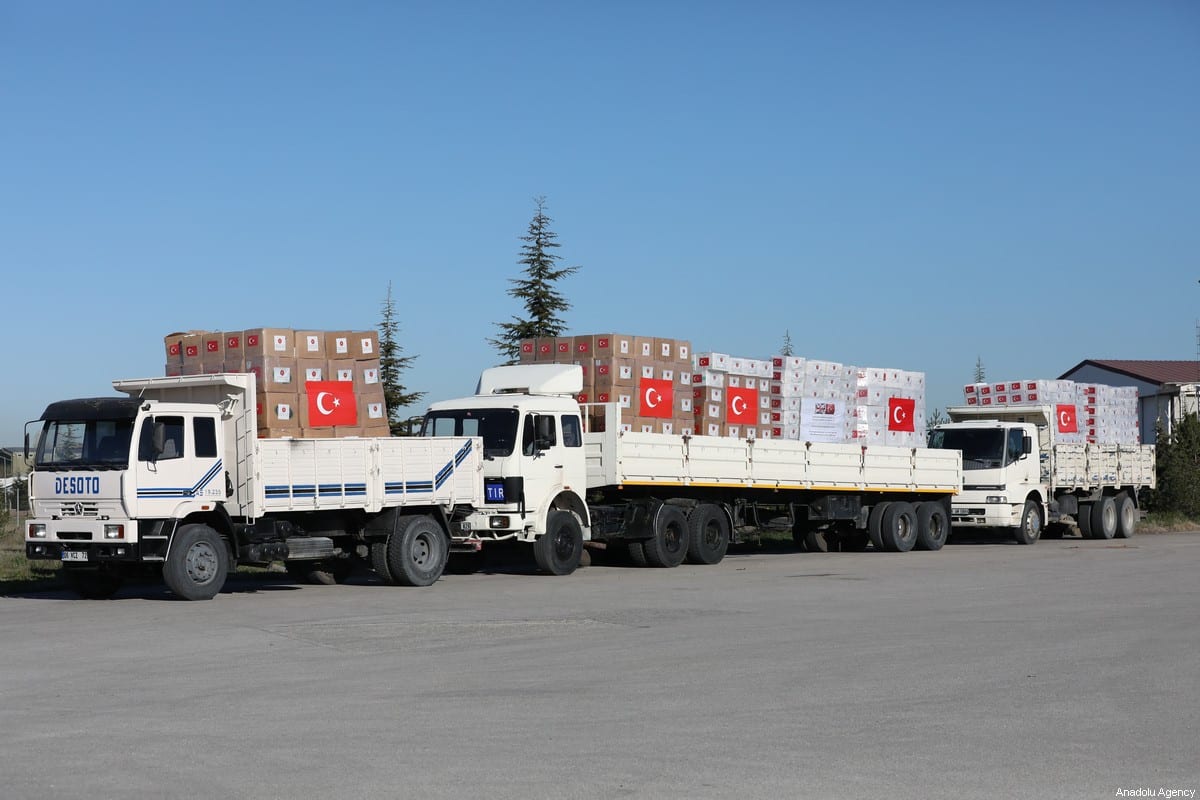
17,573
1167,522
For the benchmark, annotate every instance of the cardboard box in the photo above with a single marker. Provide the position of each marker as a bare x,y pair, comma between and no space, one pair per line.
279,342
310,369
340,369
544,353
643,348
664,350
372,410
191,368
337,344
235,351
582,347
278,411
564,349
193,347
528,351
173,345
310,344
366,376
173,369
612,345
365,345
273,373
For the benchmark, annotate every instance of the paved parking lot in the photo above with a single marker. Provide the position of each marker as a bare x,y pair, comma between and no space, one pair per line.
1067,669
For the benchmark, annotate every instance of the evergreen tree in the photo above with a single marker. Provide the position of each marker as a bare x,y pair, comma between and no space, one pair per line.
1178,467
542,302
980,375
391,365
787,349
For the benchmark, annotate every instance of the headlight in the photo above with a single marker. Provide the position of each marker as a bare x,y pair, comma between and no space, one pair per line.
997,498
37,531
114,531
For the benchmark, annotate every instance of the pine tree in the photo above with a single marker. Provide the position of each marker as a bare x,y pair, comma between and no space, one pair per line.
980,375
391,365
1178,465
787,349
536,290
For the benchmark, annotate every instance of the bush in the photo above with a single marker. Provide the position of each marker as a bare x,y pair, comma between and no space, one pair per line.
1178,467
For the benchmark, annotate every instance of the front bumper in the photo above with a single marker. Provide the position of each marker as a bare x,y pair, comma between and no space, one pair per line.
965,513
83,552
82,540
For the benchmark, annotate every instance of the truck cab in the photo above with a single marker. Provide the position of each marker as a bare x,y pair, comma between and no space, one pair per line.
1002,462
533,451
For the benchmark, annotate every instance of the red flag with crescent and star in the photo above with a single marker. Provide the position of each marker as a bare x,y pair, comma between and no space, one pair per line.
331,403
742,408
900,414
1066,419
657,398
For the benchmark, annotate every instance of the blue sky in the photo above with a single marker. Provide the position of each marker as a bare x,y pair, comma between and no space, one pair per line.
911,185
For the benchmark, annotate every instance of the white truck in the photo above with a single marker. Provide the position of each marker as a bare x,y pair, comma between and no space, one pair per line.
1018,476
173,479
667,497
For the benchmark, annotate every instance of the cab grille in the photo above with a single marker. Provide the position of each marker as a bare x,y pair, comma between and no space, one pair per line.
78,509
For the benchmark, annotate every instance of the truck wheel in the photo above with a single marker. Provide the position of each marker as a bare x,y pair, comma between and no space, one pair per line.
417,552
800,535
197,563
875,524
93,584
637,554
321,573
933,525
1031,524
559,549
379,563
1104,518
898,529
669,544
822,540
1127,517
708,534
1084,520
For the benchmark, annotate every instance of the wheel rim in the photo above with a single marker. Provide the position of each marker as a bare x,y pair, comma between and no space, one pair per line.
936,529
712,535
1110,517
1127,517
422,550
1031,525
904,528
563,545
674,538
201,563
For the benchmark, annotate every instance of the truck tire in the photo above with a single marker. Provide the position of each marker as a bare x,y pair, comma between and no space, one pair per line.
637,554
417,551
1127,517
669,544
197,563
93,584
379,563
823,540
708,534
1084,520
1030,529
1104,518
875,524
898,528
933,525
559,549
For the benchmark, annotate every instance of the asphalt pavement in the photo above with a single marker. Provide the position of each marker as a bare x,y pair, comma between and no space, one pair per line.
986,670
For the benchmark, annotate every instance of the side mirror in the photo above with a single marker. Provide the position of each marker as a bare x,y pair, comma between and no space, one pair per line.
1026,444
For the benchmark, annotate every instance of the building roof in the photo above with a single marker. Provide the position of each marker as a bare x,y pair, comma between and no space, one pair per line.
1159,372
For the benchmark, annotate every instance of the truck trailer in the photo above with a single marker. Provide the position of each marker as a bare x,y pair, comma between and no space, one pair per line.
1019,476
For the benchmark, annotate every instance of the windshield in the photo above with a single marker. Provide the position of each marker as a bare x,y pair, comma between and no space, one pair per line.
982,448
497,426
94,444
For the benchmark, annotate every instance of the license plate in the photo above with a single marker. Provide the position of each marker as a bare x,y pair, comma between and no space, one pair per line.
74,555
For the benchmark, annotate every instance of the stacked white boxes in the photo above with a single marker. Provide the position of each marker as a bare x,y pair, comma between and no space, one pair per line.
1085,412
890,407
826,405
731,396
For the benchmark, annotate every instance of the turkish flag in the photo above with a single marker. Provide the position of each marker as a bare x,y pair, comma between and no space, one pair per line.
900,414
657,398
1066,419
331,403
742,406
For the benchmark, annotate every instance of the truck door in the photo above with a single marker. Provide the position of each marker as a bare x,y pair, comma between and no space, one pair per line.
1023,470
178,461
545,459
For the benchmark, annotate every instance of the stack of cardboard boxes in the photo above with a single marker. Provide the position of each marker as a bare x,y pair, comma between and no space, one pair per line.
1085,412
732,396
285,362
650,379
889,407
